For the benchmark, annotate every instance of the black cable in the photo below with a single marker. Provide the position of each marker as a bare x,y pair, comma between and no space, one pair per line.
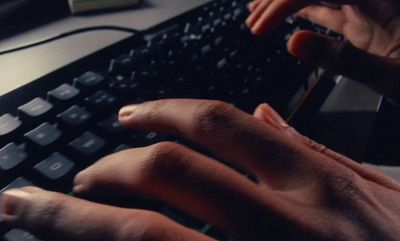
66,34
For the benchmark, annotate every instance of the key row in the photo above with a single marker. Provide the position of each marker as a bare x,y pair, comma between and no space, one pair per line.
39,110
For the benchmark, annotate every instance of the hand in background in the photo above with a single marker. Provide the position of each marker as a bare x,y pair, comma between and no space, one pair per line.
369,25
372,27
303,190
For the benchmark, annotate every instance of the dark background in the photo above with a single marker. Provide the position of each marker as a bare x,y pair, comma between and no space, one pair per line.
20,15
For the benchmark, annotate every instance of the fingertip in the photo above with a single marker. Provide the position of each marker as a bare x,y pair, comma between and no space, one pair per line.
126,114
15,202
260,109
252,5
262,27
127,111
248,22
253,26
81,183
305,12
267,114
260,112
12,200
257,31
311,47
79,190
299,42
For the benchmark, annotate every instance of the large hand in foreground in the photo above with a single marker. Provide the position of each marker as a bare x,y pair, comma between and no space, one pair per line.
370,25
304,191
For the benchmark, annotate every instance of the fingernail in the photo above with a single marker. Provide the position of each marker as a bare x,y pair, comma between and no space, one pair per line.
13,200
274,117
278,119
127,111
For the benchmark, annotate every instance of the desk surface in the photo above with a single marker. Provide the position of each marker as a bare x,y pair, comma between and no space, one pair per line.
17,69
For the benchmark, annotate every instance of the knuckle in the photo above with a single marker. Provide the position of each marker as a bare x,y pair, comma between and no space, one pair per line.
163,150
144,226
316,146
91,175
212,115
344,186
48,211
165,161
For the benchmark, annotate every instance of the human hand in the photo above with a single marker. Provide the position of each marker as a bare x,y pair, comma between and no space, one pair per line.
371,26
303,192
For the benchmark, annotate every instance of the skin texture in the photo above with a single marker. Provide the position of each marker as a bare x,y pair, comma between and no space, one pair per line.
303,190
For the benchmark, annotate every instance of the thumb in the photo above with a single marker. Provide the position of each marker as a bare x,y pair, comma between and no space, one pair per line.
57,217
379,73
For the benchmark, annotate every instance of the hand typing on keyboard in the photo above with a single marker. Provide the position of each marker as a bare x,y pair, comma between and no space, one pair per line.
292,189
304,191
370,26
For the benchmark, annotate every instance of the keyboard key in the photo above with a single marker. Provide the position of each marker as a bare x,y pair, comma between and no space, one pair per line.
215,233
88,80
222,64
122,147
75,116
44,135
123,85
111,125
65,93
87,144
8,125
154,137
141,138
11,156
182,218
227,16
125,63
17,183
205,28
19,235
35,110
55,167
102,100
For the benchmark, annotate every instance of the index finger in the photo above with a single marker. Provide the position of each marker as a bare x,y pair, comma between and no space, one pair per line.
234,135
274,14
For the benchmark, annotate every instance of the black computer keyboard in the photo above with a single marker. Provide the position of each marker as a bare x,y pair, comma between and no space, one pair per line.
55,126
